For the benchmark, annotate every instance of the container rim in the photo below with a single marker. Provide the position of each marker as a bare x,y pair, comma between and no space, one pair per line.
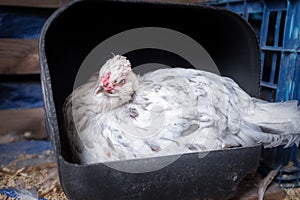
49,105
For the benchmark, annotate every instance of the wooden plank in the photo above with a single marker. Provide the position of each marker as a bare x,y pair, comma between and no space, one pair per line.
34,3
19,56
22,124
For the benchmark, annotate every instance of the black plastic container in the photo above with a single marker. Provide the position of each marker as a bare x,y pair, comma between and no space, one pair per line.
74,30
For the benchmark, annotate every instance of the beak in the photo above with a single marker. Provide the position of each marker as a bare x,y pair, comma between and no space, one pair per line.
98,89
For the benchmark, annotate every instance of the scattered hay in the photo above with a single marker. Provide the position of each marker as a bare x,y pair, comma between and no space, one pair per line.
292,193
32,172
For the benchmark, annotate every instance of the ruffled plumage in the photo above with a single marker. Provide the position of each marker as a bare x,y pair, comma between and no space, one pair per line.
175,111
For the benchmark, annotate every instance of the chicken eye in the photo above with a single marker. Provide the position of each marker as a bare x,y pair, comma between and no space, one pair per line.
122,82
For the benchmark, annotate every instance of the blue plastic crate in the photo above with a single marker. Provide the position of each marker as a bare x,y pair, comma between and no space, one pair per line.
277,25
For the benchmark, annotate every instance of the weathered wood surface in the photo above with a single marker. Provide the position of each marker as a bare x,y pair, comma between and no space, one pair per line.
19,56
22,124
34,3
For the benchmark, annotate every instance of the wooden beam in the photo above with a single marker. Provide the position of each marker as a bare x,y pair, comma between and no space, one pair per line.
19,56
34,3
22,124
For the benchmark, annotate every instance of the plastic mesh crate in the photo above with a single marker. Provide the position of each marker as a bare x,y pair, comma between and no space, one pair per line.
277,25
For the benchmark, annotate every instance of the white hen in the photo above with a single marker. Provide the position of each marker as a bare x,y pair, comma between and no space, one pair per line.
117,115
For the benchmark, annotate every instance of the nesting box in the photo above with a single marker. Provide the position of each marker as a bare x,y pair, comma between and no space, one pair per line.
74,30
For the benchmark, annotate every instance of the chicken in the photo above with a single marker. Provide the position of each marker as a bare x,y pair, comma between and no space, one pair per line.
117,115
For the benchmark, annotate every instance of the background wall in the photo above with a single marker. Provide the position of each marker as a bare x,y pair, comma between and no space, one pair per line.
21,112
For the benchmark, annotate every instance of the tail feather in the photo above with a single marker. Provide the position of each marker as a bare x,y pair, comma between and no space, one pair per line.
271,124
279,123
250,137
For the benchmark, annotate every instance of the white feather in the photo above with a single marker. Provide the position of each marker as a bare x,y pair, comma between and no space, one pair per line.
171,111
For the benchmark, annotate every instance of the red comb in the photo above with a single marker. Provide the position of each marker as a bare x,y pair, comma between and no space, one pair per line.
105,79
